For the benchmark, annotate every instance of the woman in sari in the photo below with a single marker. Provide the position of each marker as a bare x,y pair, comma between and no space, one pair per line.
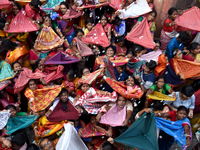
16,52
169,28
194,55
150,19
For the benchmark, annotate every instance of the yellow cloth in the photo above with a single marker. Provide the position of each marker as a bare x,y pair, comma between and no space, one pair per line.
159,96
86,31
195,123
75,83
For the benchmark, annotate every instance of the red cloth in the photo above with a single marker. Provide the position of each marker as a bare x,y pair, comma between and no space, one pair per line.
72,14
31,13
4,4
197,97
86,51
190,19
51,73
59,114
141,35
168,29
172,115
21,24
97,36
24,77
115,4
188,57
33,56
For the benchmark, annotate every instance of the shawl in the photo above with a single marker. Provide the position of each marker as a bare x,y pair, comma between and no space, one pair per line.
142,35
115,4
91,130
97,36
4,4
47,40
70,139
21,24
115,116
86,51
14,55
174,129
122,89
109,70
59,114
187,68
159,96
4,116
160,68
24,77
153,55
20,122
61,58
51,73
49,6
121,49
135,10
4,84
190,19
95,103
69,85
93,6
100,61
119,61
136,65
5,71
47,128
90,77
141,134
72,14
42,97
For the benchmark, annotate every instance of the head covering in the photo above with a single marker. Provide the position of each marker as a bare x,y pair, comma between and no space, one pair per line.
141,131
21,24
141,35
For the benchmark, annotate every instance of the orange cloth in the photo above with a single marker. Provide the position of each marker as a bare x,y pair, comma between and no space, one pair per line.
159,70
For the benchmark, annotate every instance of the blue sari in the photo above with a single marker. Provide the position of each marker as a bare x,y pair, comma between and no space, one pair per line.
5,71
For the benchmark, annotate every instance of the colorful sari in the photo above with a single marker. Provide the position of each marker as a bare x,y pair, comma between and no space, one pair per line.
159,96
174,129
100,61
91,130
95,103
20,122
4,116
125,91
42,98
47,40
47,128
160,68
17,54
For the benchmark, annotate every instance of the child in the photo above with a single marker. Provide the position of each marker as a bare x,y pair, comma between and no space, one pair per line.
147,77
120,73
89,25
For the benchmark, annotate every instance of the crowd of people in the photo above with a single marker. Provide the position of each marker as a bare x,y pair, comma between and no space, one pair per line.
92,75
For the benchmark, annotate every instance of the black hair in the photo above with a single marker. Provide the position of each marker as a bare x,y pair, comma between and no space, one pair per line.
123,66
104,15
83,69
111,46
135,81
151,65
79,30
117,20
19,139
174,52
137,49
34,80
153,11
12,65
32,147
130,51
119,39
171,10
107,146
184,36
160,77
37,62
193,46
42,141
7,44
17,5
187,90
65,3
35,3
71,73
157,41
63,91
183,108
10,106
88,20
45,16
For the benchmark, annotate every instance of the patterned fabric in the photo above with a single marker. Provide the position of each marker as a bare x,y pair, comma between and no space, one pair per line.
49,6
90,77
4,116
119,61
95,103
122,89
47,128
160,68
20,122
42,97
174,129
187,68
72,14
47,40
115,116
159,96
5,71
109,70
91,130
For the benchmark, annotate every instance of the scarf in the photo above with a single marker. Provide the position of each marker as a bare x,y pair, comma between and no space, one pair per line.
86,51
